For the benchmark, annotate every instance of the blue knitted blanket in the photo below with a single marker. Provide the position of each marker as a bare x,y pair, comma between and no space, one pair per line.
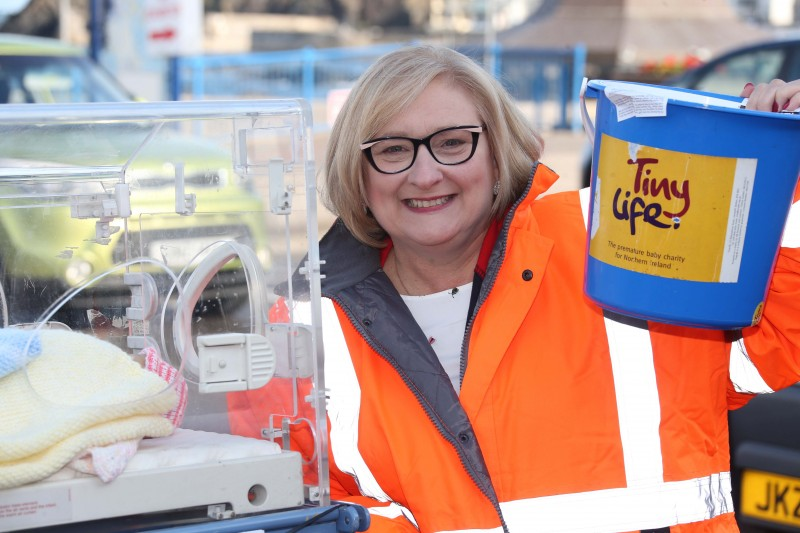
18,347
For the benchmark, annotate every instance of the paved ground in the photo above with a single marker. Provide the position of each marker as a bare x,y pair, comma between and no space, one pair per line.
562,153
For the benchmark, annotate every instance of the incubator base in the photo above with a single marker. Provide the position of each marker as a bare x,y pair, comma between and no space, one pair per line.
183,471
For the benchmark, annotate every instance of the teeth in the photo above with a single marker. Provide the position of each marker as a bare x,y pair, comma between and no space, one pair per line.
427,203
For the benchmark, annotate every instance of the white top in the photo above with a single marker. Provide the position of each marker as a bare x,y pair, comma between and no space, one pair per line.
443,318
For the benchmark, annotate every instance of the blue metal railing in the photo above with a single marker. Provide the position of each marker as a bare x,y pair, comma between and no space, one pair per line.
546,81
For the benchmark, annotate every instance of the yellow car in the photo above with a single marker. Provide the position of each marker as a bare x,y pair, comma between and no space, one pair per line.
54,234
41,70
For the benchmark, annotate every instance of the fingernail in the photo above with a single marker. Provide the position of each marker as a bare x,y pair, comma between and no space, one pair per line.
748,85
775,107
785,106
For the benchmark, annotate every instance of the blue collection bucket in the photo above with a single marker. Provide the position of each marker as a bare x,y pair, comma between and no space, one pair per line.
689,197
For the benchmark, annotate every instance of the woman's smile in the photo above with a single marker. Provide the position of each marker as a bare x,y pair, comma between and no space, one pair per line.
419,203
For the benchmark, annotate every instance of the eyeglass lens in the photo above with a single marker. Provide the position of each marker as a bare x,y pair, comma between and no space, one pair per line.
448,147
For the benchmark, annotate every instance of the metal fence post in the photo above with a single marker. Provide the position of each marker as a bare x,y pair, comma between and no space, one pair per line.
174,78
497,51
198,71
578,72
309,60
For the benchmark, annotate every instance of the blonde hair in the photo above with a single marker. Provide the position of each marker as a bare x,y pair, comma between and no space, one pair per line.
386,89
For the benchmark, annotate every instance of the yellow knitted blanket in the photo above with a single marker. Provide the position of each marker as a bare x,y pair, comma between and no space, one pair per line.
79,392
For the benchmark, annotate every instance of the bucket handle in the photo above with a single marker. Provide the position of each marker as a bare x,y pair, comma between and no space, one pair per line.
588,126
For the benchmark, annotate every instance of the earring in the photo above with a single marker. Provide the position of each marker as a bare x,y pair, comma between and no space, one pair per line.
496,188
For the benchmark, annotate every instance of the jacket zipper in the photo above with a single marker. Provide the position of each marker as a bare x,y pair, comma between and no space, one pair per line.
491,278
357,324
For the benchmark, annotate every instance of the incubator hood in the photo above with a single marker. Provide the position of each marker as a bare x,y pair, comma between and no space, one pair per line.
160,350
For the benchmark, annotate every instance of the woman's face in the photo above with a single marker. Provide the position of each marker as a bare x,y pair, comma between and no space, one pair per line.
433,207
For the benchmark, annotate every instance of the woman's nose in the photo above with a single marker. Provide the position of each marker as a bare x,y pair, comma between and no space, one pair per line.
426,171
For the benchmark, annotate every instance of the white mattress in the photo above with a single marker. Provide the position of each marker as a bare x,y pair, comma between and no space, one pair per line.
183,448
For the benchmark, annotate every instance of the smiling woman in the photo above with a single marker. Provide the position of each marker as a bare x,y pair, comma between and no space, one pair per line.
531,401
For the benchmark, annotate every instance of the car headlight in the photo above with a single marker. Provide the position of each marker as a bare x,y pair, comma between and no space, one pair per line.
77,272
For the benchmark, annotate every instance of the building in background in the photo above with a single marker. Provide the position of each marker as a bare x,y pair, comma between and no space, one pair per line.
777,13
643,40
631,39
477,17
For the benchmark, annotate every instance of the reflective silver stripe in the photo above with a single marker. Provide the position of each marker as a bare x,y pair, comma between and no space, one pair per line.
635,386
638,408
584,194
626,509
743,372
791,232
493,530
344,398
392,511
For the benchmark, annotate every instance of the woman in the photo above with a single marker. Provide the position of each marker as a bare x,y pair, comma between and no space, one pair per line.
472,385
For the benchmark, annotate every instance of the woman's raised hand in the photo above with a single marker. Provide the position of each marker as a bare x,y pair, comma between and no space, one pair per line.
776,95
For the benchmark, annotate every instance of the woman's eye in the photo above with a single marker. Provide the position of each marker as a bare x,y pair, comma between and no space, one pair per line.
451,144
393,149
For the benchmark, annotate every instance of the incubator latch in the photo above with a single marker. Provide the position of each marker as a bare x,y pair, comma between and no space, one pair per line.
280,194
144,295
144,305
309,267
293,340
185,204
219,511
312,493
234,362
105,207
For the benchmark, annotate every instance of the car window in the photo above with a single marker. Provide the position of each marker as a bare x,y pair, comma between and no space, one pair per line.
55,79
729,76
793,65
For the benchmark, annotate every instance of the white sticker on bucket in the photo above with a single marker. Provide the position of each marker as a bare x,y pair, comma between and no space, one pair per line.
670,93
635,104
741,197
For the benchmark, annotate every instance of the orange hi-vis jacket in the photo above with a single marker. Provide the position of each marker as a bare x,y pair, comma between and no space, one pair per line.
569,418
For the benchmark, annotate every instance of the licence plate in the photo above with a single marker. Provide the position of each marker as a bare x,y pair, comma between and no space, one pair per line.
771,497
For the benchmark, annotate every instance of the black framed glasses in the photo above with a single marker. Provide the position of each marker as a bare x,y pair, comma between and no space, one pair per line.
450,146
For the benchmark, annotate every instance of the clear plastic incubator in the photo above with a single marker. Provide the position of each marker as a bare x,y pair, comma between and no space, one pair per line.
160,350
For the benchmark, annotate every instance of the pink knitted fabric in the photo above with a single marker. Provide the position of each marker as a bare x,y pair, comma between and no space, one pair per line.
168,373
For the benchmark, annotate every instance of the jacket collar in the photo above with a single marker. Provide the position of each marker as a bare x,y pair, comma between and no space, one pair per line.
347,260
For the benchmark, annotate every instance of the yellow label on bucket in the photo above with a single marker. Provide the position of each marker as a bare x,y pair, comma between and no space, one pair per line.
670,214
